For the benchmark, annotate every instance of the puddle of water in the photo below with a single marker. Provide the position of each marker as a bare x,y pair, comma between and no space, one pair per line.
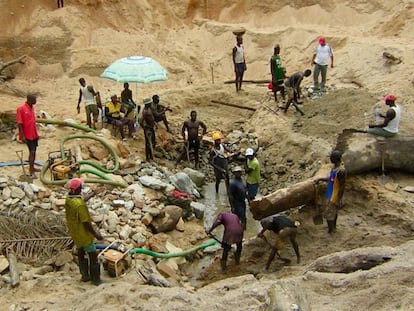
219,202
215,203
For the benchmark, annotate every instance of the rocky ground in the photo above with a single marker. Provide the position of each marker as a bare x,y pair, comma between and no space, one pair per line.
365,265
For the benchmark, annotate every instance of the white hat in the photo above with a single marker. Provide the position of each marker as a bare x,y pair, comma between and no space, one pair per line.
147,100
249,152
238,168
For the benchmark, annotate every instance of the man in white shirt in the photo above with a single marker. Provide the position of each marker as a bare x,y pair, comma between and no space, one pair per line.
88,94
239,62
391,123
320,59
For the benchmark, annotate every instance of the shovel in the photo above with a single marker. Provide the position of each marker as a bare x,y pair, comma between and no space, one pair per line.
215,238
382,179
285,260
23,177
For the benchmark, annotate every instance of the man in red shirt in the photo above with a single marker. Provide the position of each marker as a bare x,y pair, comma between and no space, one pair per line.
26,121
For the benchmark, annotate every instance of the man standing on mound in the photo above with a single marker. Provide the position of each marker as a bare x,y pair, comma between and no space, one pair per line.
334,190
192,140
278,73
91,107
26,121
239,62
320,59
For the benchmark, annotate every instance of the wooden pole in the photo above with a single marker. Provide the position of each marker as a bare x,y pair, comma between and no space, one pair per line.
232,105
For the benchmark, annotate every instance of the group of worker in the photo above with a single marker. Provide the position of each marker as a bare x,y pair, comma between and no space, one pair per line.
234,222
287,85
123,112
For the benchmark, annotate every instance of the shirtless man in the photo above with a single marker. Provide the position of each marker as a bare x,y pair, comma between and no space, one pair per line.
127,101
192,139
148,124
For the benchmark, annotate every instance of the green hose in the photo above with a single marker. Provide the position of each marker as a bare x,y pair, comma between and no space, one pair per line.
101,170
95,165
64,123
62,182
170,255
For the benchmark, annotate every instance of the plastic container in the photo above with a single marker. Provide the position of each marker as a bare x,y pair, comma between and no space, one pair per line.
377,113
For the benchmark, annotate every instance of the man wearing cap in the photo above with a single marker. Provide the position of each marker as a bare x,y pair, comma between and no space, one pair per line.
320,59
80,228
219,161
237,195
159,110
113,111
334,190
284,228
278,73
233,234
252,168
390,126
148,124
192,140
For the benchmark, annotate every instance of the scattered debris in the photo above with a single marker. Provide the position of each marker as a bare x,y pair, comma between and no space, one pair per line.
391,59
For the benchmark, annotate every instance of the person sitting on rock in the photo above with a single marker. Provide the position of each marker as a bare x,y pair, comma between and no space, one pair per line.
113,110
391,123
159,110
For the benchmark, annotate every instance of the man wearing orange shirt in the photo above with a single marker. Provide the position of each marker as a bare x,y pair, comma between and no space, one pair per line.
26,121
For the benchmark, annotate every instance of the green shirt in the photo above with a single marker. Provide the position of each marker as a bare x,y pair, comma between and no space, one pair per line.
278,70
76,215
253,177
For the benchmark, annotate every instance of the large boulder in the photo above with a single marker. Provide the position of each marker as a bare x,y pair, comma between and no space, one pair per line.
168,222
183,182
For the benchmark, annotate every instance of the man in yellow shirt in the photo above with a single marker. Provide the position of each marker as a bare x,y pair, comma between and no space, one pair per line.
252,168
80,228
113,111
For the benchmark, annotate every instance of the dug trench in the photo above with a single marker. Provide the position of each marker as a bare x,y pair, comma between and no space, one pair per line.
292,149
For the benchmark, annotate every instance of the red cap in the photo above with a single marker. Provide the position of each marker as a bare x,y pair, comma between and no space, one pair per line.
322,40
389,97
74,184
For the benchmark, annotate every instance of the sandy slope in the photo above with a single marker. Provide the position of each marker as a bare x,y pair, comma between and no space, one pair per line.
188,37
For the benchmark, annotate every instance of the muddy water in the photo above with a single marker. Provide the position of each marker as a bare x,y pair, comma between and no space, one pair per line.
206,269
219,202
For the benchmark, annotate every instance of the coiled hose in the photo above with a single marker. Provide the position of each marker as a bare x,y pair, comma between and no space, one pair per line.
100,170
